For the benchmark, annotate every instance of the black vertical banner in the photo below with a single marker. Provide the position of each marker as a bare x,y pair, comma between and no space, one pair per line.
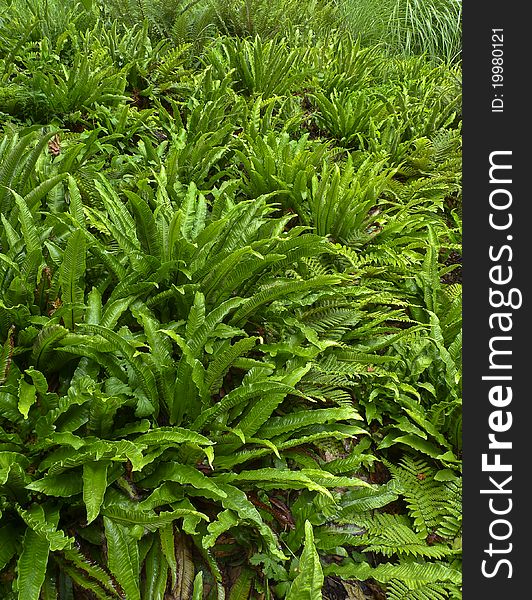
497,256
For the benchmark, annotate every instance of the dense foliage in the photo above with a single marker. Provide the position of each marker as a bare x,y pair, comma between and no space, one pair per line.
230,303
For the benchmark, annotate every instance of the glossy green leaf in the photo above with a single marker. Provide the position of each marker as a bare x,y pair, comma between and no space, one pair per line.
123,557
94,486
308,583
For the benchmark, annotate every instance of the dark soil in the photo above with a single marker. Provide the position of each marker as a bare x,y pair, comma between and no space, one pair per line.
333,589
454,276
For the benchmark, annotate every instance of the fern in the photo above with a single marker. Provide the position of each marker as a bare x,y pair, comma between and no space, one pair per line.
229,303
309,581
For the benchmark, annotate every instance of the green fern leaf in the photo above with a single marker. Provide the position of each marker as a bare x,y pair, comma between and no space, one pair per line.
224,359
123,558
27,223
94,486
297,420
72,271
309,581
184,474
243,585
154,586
33,198
9,536
171,436
197,592
167,542
145,224
31,565
45,344
10,163
224,521
27,397
63,485
145,376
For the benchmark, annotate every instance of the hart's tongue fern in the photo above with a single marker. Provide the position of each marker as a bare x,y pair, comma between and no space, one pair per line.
230,310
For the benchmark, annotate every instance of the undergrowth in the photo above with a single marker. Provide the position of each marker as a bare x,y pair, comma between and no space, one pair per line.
230,305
